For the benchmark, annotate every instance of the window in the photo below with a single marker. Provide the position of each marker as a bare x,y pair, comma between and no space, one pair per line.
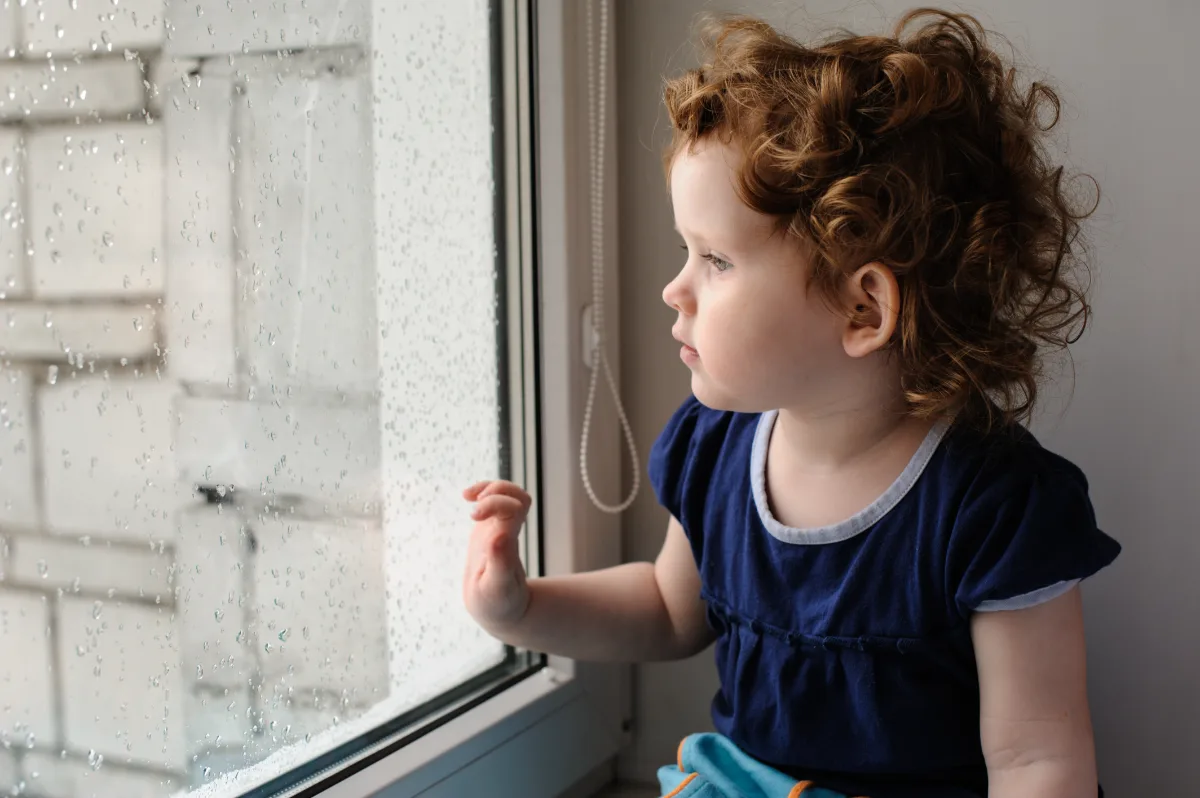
267,275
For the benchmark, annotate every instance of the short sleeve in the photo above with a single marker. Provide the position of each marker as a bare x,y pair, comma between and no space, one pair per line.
670,454
1025,534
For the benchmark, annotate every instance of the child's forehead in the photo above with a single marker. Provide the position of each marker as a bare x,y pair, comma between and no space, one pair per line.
703,193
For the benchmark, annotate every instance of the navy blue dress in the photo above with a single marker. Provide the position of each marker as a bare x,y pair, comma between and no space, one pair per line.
844,652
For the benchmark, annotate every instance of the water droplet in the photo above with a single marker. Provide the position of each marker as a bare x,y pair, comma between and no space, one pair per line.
107,239
80,651
59,32
30,740
43,569
199,671
97,609
81,93
95,760
48,320
283,636
218,615
137,324
52,378
267,647
7,165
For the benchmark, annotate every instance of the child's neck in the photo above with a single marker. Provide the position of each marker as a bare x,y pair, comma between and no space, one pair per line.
836,437
824,467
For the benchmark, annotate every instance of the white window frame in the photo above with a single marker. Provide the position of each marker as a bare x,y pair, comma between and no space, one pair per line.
555,729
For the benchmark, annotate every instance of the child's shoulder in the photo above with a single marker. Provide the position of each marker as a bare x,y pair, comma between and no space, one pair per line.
1004,460
699,446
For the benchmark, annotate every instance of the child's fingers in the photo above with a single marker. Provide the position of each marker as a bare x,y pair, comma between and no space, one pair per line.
472,493
497,506
502,487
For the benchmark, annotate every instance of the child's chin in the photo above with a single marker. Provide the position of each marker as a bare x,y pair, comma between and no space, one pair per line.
713,399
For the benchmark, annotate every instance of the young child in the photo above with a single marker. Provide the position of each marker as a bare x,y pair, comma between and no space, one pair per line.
878,253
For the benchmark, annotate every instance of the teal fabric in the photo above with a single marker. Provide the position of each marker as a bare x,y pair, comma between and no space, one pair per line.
719,769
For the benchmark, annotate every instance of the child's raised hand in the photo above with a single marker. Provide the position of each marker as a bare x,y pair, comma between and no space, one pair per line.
494,587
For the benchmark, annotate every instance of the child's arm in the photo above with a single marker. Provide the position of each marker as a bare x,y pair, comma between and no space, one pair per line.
631,613
1035,724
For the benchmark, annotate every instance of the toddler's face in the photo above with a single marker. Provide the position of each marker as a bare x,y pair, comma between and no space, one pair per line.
755,338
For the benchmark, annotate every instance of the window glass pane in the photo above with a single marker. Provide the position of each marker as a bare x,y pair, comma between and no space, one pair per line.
252,333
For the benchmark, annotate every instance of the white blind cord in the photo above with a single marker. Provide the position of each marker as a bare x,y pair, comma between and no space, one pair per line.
598,74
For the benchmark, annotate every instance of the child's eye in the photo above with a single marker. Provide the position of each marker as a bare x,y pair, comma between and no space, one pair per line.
720,264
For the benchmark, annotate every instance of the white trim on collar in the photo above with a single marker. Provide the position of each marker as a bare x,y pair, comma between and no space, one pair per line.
855,524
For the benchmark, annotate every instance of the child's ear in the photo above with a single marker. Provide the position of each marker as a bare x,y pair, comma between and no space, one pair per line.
873,296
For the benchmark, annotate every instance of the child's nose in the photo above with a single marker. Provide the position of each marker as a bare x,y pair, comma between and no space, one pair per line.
676,295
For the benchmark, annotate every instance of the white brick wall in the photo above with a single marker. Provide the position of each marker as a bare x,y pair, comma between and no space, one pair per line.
54,777
8,761
106,453
8,28
198,120
18,496
214,588
243,27
105,331
319,591
218,719
97,198
26,681
122,681
109,88
92,566
186,297
12,222
310,300
326,450
90,26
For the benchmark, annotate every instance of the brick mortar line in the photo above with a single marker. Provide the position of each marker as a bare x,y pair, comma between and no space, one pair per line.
119,301
96,539
53,632
33,589
77,121
138,367
25,197
79,757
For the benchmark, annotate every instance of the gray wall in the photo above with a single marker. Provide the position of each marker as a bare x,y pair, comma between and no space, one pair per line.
1132,120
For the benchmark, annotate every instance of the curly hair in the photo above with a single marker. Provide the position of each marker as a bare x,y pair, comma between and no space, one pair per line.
922,152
